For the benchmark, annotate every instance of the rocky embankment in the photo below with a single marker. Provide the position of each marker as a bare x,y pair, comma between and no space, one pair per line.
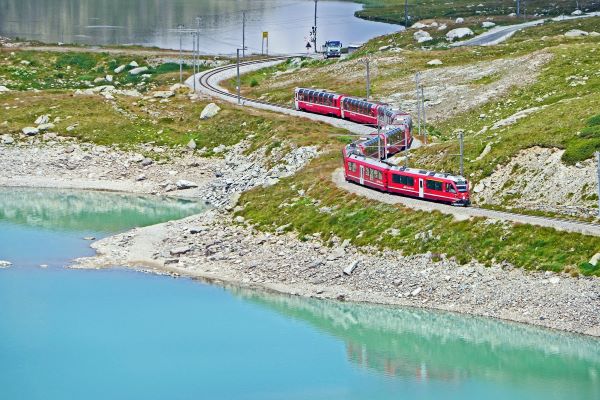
213,246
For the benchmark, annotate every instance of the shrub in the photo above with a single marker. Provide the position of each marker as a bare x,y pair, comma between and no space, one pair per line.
590,132
594,121
253,83
580,149
80,60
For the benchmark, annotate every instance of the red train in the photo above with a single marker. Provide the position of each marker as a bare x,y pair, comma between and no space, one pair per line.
351,108
386,142
374,173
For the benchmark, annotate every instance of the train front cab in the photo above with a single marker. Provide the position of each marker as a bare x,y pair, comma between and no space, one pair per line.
429,188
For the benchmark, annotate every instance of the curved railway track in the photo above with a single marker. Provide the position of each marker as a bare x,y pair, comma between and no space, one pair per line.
204,79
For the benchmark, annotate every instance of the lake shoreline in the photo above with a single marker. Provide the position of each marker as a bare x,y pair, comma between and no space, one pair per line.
218,247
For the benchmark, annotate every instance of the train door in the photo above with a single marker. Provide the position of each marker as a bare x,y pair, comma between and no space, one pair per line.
421,194
362,175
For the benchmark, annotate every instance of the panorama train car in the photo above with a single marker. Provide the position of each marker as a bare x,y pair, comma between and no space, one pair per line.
385,143
350,108
404,181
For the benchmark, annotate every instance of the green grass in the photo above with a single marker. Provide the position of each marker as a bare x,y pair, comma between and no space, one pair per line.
365,222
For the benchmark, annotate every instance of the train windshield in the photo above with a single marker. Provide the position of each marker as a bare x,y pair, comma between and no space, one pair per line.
461,186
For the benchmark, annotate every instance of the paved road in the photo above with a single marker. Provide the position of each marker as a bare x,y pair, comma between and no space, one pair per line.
208,83
501,33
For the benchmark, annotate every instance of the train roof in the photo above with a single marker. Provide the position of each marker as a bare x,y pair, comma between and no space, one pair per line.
415,171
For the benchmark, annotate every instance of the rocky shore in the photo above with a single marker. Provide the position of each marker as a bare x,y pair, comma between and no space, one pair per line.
221,248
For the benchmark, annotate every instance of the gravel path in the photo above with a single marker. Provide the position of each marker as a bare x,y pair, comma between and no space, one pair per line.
465,212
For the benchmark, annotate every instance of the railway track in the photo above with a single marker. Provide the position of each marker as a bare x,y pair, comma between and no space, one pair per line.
212,88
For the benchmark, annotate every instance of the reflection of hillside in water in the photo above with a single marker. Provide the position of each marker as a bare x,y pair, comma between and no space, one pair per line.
87,210
445,346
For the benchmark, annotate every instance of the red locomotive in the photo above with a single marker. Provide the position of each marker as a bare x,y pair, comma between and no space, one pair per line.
350,108
381,175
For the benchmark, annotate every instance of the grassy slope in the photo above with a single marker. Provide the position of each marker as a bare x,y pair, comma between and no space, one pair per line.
393,10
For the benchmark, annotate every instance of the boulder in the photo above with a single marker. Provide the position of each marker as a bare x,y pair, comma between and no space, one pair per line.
49,136
442,27
120,69
210,111
512,14
576,33
163,94
459,20
30,131
7,139
594,33
108,78
4,89
419,25
42,119
183,184
350,268
577,12
435,62
488,24
137,71
384,48
458,33
134,64
594,260
191,144
180,88
99,80
178,251
422,36
46,127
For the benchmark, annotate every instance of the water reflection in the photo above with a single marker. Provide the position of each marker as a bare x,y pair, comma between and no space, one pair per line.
72,210
150,23
426,346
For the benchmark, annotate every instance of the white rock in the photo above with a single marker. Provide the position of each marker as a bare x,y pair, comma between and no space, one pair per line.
164,94
576,33
7,139
577,12
137,71
25,62
134,64
239,219
488,24
422,36
120,69
180,250
458,33
210,111
191,144
416,291
512,14
435,62
180,88
140,178
554,280
30,131
594,33
350,268
5,264
442,27
595,259
183,184
219,149
459,20
42,119
108,78
46,127
71,128
383,48
99,80
4,89
419,25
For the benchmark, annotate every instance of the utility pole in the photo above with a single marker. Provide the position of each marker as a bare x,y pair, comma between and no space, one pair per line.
406,13
180,28
462,153
238,76
518,8
367,62
598,172
315,28
417,82
424,118
244,34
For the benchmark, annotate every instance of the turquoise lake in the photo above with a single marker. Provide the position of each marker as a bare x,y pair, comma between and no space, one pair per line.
118,334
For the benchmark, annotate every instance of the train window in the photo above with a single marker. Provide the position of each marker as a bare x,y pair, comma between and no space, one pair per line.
351,166
403,180
450,188
433,185
462,188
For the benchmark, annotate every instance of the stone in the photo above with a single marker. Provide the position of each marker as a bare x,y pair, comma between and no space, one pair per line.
89,238
210,111
137,71
5,264
384,48
350,268
178,251
134,64
146,161
418,25
594,260
180,88
49,136
435,62
46,127
442,27
458,33
30,131
191,144
140,178
183,184
99,80
577,12
576,33
42,119
459,20
7,139
71,128
4,89
554,280
488,24
239,219
594,33
416,291
120,69
422,36
108,78
219,149
163,94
